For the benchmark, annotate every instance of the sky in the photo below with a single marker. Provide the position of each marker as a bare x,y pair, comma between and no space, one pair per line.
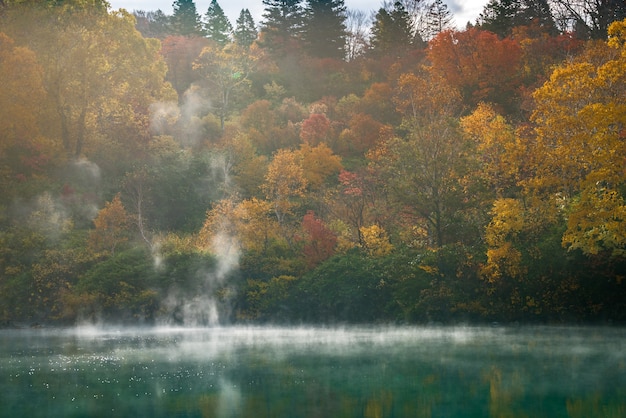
463,10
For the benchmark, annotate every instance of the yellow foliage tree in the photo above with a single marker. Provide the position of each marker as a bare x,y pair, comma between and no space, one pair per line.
503,257
376,241
581,137
318,164
285,182
500,152
111,227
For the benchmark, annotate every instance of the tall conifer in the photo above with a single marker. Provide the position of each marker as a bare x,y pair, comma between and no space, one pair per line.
283,23
245,31
392,30
185,20
324,29
217,27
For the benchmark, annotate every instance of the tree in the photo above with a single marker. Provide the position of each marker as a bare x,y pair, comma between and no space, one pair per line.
588,19
111,227
580,117
320,241
185,20
422,170
500,152
180,52
356,33
315,129
245,31
392,32
502,16
481,66
285,183
438,19
153,24
100,74
25,154
282,25
324,30
318,164
217,27
225,70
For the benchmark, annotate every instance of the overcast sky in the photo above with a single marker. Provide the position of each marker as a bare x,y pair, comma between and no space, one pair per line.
463,10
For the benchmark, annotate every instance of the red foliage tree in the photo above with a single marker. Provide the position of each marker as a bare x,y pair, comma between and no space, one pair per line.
315,129
320,242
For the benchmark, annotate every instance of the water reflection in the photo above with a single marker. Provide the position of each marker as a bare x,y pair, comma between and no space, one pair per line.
309,372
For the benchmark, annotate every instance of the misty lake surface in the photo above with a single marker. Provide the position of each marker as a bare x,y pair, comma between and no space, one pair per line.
314,372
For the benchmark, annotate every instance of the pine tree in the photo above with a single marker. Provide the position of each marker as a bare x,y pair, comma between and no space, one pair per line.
245,32
438,18
217,26
283,23
501,16
185,20
392,30
324,30
538,12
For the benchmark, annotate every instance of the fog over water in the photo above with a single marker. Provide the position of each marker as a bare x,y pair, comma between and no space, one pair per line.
310,371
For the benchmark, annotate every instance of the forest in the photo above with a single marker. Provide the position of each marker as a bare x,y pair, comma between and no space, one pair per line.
323,165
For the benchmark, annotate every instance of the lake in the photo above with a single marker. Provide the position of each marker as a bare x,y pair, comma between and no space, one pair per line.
314,372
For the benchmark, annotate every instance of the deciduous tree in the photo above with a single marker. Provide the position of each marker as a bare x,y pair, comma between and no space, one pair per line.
111,227
226,70
479,64
285,183
581,115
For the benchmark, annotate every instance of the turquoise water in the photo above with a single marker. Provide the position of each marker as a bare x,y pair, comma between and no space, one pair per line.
314,372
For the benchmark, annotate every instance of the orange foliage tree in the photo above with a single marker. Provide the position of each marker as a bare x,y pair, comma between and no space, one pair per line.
483,67
111,227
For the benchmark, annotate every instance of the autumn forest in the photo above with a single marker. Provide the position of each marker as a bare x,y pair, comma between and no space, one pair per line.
323,165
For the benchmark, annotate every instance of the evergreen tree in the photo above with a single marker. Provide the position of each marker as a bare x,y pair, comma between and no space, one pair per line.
217,26
283,23
538,12
392,30
245,32
185,20
324,30
501,16
438,18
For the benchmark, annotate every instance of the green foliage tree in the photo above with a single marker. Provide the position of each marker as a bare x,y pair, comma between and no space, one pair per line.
502,16
282,24
324,30
245,31
226,70
392,32
422,170
216,26
185,20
